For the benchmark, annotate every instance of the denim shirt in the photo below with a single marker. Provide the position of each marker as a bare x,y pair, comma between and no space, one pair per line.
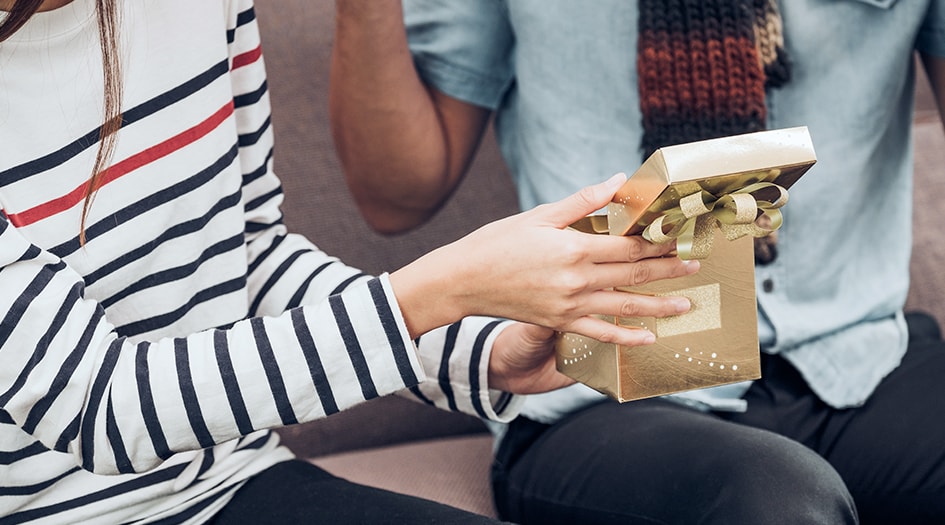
561,76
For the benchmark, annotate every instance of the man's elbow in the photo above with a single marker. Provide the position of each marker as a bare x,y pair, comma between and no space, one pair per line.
392,220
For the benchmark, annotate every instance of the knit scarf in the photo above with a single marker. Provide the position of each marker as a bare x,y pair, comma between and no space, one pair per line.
703,66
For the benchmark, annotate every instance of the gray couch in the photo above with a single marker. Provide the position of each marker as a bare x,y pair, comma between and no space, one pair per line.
391,442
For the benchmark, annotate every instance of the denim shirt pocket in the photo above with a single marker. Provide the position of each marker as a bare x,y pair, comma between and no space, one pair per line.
884,4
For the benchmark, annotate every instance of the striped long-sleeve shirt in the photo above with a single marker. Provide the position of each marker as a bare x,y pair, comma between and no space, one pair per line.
139,373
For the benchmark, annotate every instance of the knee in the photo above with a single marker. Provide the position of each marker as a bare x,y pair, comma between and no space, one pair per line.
781,481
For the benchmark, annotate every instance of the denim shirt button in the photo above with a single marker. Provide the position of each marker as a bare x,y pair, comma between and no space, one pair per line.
767,285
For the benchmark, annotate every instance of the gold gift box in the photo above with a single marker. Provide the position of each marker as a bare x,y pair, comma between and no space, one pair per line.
716,342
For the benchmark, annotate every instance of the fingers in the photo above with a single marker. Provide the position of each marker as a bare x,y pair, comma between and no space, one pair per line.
618,248
610,333
609,275
625,304
586,201
628,304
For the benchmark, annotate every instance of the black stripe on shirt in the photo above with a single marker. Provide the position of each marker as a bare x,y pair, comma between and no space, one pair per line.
347,282
416,392
248,99
31,253
256,227
206,463
259,172
296,299
178,272
503,402
68,435
145,109
241,19
64,374
196,508
134,483
474,362
189,394
276,241
256,444
315,368
148,204
167,319
443,375
389,323
273,374
221,349
274,278
353,346
23,301
263,199
249,139
148,409
100,388
27,490
122,461
42,346
12,456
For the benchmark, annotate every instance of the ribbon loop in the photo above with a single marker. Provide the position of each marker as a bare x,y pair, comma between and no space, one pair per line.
737,214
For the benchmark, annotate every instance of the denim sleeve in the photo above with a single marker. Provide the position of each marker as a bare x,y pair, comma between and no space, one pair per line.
931,37
462,48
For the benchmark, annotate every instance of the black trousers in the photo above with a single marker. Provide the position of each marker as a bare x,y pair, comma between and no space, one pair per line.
297,492
789,459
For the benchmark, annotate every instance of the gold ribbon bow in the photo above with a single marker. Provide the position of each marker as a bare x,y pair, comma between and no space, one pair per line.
737,214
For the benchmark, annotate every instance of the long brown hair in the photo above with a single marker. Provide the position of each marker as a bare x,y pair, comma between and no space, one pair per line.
107,18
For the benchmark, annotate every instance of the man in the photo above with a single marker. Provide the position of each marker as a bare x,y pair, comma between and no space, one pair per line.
843,375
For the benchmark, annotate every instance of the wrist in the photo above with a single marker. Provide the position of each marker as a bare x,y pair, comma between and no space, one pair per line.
429,293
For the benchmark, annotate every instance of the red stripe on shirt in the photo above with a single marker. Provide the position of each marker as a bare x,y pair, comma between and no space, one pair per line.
60,204
246,58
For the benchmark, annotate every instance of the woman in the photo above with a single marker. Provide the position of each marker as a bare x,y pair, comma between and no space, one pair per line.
157,318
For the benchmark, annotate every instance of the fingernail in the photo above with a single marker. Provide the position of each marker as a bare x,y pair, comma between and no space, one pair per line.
616,181
692,266
681,304
649,338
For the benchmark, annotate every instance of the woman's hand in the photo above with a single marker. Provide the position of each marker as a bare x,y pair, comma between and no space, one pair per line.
523,361
530,268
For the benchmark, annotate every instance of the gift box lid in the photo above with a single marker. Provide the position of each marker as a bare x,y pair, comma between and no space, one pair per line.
716,165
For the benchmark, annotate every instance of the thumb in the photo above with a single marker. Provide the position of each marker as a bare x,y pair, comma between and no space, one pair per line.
586,201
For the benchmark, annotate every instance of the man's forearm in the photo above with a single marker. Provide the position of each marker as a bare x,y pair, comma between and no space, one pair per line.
385,124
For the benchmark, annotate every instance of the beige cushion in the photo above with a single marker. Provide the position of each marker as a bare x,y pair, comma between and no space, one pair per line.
452,470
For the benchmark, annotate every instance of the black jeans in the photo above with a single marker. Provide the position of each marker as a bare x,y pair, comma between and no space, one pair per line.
789,459
296,492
